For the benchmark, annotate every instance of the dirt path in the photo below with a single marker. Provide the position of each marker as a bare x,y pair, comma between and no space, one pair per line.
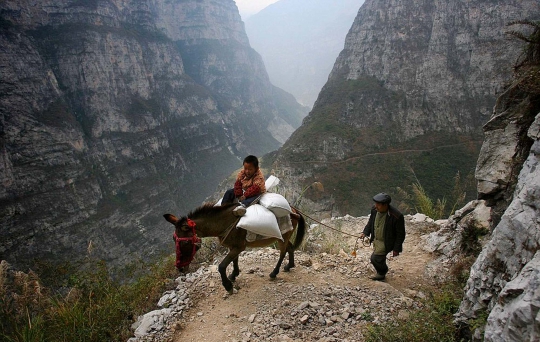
385,153
327,297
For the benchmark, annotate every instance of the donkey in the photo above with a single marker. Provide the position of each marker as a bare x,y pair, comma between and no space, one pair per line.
219,221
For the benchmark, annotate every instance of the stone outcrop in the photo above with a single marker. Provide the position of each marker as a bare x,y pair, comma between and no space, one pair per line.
113,113
516,316
410,91
457,240
504,279
172,305
507,144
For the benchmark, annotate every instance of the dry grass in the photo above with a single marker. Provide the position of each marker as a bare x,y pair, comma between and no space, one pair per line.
91,307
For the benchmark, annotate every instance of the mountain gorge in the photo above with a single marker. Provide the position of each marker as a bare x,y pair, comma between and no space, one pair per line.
115,112
299,41
405,102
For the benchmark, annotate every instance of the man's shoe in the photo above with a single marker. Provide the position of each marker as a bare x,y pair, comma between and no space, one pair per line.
239,211
378,277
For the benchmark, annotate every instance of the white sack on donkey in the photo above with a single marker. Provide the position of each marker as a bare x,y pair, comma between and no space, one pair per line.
260,220
271,182
276,203
264,218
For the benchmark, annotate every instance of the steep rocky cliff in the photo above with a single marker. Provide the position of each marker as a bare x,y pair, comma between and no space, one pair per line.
502,297
406,100
504,283
115,112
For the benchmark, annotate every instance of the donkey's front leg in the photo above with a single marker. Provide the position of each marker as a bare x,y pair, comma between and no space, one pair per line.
222,268
236,270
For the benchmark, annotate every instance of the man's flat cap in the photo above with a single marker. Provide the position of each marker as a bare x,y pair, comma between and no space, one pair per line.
382,198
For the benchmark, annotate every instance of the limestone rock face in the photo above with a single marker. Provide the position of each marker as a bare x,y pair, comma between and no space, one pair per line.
440,55
411,90
505,148
504,278
113,113
516,317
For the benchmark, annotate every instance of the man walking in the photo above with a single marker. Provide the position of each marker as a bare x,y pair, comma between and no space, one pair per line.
386,230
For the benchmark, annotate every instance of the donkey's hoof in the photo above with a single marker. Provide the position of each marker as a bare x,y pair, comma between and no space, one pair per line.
232,278
228,287
288,267
273,276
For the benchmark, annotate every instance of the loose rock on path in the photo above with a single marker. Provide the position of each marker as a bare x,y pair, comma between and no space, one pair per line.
326,297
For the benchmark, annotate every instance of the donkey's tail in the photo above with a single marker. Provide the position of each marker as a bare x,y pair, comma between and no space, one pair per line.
300,232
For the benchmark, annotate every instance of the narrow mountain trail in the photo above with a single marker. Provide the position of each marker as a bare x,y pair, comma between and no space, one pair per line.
326,297
382,154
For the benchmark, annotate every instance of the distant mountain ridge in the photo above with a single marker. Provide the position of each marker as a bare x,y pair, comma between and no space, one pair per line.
299,41
406,101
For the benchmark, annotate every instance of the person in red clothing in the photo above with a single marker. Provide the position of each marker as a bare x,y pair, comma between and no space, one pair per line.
248,187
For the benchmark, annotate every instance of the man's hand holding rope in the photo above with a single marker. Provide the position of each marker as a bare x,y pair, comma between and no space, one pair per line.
363,237
365,240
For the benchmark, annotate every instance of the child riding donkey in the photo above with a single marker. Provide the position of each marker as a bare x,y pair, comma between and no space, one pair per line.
248,187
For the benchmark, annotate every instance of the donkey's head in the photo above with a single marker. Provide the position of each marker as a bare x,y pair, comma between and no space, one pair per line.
186,240
181,227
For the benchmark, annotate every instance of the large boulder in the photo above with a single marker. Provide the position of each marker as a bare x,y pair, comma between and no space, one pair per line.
456,239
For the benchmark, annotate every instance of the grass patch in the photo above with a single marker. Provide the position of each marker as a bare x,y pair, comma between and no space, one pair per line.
332,241
471,236
432,322
90,306
321,239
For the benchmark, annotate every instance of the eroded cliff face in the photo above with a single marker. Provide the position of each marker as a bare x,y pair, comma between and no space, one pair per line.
113,113
406,100
504,282
449,59
502,294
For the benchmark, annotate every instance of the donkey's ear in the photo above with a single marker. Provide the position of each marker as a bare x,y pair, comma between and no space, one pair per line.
171,218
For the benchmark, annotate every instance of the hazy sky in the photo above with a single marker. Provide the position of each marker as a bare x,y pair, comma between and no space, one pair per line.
250,7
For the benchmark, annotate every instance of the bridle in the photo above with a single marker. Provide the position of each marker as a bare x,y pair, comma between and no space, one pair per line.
193,240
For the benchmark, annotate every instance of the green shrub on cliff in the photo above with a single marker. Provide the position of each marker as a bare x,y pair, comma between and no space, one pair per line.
418,199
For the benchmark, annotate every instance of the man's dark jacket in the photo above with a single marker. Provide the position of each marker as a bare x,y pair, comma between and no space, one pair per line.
394,229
